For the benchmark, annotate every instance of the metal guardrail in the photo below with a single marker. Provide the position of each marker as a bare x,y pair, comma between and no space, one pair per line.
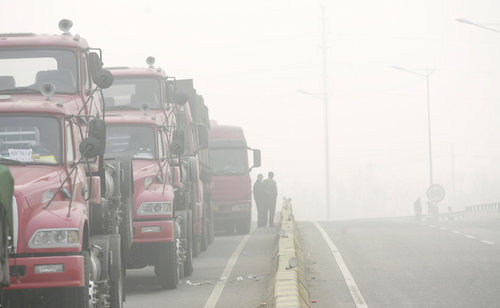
483,207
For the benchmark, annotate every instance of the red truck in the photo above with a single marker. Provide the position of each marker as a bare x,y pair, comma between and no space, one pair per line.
160,233
140,90
70,201
148,94
231,183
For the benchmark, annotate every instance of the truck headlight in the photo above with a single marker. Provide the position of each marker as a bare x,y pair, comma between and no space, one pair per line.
241,207
55,238
155,208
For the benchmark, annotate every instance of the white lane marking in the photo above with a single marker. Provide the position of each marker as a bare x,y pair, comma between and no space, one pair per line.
443,228
472,237
359,301
431,226
456,231
487,242
219,287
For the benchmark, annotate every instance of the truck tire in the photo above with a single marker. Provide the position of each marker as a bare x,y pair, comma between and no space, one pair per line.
80,297
196,244
211,227
167,265
204,234
126,226
115,273
243,226
188,262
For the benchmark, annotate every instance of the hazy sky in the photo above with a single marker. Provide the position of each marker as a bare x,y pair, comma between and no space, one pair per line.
249,58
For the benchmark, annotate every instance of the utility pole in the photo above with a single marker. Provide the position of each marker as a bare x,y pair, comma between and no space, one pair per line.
453,183
325,107
429,126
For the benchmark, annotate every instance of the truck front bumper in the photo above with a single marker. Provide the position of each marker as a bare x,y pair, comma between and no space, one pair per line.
46,272
153,231
226,213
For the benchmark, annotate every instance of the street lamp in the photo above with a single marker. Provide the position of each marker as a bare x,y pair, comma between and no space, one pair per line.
426,75
327,152
468,22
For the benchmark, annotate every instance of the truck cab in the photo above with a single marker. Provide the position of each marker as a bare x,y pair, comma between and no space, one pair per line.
157,229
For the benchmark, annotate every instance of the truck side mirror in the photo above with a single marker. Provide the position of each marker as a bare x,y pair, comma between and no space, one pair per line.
103,79
95,144
256,159
91,147
180,98
97,129
177,144
95,64
203,137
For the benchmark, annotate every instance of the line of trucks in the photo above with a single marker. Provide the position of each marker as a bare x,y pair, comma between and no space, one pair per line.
104,170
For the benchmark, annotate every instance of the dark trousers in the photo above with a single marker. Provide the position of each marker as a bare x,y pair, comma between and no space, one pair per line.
270,206
261,214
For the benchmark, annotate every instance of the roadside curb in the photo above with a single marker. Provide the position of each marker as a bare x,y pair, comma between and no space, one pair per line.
288,288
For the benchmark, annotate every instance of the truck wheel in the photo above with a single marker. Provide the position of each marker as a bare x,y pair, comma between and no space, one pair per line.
167,266
126,227
196,245
204,234
115,273
243,226
188,262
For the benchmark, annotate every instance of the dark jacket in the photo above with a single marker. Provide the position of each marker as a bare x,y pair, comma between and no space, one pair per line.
270,190
258,191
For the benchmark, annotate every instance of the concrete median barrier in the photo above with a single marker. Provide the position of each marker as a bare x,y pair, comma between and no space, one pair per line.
289,287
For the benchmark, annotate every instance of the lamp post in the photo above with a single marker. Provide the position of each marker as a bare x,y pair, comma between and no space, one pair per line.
468,22
327,146
426,75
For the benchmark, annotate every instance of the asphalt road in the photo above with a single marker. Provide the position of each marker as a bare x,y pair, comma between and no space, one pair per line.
402,263
246,285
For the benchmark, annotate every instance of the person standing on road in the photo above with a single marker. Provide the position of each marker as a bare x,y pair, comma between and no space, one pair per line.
258,196
270,196
417,207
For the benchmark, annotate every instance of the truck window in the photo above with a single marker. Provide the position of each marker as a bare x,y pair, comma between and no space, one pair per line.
85,73
229,161
138,140
132,93
31,139
161,152
24,71
70,154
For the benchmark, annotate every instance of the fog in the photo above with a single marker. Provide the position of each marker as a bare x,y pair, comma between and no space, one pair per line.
249,59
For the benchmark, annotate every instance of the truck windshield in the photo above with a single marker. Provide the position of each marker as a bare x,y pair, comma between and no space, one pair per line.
133,92
24,71
229,161
30,139
138,140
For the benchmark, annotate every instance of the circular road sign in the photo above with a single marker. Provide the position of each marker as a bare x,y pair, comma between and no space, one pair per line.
435,193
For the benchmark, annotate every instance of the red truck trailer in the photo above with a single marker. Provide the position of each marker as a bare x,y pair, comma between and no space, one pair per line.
69,199
193,121
231,183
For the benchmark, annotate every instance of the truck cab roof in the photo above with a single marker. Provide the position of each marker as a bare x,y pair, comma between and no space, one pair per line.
42,40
